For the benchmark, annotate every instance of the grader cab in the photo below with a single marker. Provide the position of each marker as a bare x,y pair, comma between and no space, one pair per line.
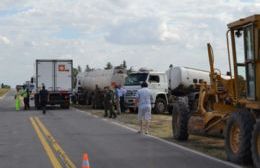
230,104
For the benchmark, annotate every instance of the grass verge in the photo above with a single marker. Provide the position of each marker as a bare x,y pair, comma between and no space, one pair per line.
3,91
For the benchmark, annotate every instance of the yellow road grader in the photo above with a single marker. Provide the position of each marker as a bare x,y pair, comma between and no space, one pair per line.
230,104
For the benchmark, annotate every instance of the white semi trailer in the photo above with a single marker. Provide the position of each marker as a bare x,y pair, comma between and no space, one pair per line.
177,81
90,85
56,76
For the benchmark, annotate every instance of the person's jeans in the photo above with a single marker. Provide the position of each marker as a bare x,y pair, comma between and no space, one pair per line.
122,104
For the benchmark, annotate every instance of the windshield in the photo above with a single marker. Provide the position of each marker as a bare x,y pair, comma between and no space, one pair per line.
135,79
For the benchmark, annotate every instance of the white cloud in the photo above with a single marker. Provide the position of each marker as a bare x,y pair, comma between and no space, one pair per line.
148,33
4,40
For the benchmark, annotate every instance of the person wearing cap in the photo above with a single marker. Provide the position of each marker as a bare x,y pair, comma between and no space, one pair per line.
144,99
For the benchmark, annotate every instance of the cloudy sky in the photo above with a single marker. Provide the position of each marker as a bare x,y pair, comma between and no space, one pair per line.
145,33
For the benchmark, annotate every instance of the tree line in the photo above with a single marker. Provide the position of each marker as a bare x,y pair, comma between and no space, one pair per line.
4,86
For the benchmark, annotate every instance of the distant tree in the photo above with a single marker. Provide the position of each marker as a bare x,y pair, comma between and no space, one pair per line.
79,69
4,86
124,64
87,69
109,66
75,72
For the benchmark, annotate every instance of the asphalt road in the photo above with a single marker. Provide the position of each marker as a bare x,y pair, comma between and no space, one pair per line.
107,144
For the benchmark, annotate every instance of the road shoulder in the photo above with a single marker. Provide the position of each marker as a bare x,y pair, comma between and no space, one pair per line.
123,125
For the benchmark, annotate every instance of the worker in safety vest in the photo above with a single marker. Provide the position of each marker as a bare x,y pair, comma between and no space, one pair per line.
17,100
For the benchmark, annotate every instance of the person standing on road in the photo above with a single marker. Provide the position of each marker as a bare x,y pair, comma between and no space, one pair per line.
144,99
122,98
43,95
17,100
109,103
120,104
26,99
23,95
118,94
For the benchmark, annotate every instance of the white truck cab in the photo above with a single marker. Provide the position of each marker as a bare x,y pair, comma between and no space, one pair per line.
157,83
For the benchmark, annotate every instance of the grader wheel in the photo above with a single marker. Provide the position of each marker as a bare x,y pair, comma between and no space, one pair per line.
238,134
255,148
180,118
234,138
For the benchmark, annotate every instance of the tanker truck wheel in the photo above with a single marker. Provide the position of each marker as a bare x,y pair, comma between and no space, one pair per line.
133,110
180,118
160,105
255,145
238,134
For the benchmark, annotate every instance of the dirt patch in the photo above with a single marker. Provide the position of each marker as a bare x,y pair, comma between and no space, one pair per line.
3,91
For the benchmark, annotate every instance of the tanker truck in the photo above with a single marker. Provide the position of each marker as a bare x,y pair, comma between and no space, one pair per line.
90,85
165,86
182,83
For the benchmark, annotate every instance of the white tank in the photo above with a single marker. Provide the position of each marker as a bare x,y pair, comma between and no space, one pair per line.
102,78
185,76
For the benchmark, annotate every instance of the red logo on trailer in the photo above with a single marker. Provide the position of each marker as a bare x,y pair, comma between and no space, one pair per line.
62,68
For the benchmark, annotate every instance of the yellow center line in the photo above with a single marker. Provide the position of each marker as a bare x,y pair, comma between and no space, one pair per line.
63,156
54,161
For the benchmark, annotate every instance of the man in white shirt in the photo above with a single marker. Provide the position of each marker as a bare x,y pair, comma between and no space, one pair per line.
144,99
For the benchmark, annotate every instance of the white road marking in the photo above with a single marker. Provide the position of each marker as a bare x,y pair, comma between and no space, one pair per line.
162,140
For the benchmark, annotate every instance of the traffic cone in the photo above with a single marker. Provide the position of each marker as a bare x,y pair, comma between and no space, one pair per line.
85,162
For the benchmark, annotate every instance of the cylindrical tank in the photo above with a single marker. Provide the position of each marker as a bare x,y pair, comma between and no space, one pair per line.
101,78
185,76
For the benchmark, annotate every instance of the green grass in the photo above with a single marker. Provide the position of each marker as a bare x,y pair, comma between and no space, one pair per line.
161,127
3,91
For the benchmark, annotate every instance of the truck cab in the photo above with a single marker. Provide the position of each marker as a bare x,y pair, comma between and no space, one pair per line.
157,83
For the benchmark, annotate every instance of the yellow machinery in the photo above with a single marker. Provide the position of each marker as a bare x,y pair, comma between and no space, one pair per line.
230,104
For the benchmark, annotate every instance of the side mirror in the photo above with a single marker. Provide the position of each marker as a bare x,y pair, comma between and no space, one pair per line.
228,73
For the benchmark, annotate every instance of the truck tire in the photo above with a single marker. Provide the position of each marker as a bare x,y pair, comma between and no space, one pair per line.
255,145
160,105
169,108
133,110
65,105
180,118
73,99
238,134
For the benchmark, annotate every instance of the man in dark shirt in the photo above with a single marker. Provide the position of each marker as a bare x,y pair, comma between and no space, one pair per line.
43,95
26,99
